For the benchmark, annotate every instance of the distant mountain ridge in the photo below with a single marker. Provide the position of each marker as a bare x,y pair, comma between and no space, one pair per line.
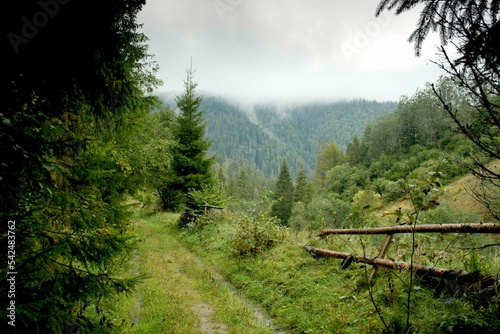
267,134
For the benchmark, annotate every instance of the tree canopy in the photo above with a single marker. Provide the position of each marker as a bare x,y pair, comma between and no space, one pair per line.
71,90
283,195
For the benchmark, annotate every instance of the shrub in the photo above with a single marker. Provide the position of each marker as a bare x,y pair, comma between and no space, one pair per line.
394,190
322,212
257,234
367,200
446,214
147,198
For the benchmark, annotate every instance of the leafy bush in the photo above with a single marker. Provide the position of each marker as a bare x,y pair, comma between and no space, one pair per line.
390,190
147,198
367,199
346,180
446,214
256,234
322,212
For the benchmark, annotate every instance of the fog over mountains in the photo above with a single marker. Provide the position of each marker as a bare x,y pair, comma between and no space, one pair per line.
264,135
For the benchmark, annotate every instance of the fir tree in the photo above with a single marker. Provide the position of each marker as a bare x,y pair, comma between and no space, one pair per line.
284,192
302,191
191,168
354,152
69,98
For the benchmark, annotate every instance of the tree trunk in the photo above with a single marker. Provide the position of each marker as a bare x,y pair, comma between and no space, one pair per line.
439,228
421,270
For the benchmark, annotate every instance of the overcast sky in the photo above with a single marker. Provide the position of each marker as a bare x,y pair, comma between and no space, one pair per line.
287,51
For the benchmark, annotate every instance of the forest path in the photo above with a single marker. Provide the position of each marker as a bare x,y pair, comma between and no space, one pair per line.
182,294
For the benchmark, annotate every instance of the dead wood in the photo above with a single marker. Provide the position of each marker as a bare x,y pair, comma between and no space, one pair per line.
428,228
421,270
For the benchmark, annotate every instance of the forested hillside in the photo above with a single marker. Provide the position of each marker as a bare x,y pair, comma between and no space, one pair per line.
267,134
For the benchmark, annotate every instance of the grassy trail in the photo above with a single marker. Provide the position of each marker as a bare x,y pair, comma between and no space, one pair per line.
181,294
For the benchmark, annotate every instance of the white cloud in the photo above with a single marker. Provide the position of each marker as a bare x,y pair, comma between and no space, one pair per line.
287,49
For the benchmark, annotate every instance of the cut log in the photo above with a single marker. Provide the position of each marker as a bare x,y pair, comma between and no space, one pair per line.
428,228
459,275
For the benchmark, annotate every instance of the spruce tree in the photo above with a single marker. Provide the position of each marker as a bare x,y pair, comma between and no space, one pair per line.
283,194
354,152
191,168
69,97
302,191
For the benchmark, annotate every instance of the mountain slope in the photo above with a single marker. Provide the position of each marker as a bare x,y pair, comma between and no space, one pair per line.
293,133
304,127
457,194
264,135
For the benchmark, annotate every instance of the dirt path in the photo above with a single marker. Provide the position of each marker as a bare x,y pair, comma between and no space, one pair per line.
207,326
184,295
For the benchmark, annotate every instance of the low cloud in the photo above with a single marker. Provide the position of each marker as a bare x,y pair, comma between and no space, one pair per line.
280,50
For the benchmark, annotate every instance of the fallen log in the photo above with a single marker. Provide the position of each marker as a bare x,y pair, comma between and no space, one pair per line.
427,228
451,274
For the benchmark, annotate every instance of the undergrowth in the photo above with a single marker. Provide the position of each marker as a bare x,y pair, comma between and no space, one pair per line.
307,295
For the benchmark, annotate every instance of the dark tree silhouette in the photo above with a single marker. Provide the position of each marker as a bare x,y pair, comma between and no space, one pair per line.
72,83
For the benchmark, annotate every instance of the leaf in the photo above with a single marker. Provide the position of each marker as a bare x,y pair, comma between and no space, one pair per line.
432,204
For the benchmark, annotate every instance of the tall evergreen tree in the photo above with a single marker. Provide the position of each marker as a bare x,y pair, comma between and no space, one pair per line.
283,194
69,96
302,191
191,168
354,152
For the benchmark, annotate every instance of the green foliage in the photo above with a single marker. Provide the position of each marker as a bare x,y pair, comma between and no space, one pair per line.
417,121
204,203
242,181
146,198
257,233
191,169
355,152
149,152
283,196
329,156
367,200
68,109
303,189
321,212
346,180
389,190
444,213
264,135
